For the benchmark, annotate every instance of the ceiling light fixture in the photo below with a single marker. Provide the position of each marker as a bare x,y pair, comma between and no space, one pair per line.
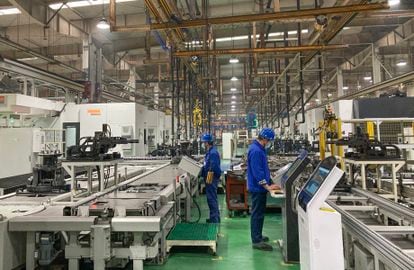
401,63
345,87
233,89
329,95
233,79
233,102
233,97
346,28
233,60
393,2
103,24
367,78
27,59
317,100
9,11
84,3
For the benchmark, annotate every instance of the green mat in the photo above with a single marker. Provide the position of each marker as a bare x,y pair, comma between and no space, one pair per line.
194,232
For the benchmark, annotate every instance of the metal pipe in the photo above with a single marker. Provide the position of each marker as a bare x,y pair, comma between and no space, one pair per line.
301,82
275,16
303,48
172,99
407,77
287,86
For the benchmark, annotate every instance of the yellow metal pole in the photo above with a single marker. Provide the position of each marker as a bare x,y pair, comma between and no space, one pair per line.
322,141
370,130
340,148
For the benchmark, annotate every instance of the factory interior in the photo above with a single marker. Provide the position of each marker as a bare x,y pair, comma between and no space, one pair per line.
207,134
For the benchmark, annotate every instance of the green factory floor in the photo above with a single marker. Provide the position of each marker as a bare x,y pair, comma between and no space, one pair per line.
234,247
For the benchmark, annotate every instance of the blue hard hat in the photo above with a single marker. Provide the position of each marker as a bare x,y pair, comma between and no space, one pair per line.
207,137
267,133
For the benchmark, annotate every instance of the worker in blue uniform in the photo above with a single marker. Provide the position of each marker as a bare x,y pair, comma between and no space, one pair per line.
259,183
212,165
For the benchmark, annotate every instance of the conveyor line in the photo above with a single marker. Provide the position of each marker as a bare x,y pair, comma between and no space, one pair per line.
385,248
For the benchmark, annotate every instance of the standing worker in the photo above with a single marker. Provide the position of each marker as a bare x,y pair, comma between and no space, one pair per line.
259,183
211,173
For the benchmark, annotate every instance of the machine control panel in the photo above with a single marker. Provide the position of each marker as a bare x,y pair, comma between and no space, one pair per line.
312,186
296,168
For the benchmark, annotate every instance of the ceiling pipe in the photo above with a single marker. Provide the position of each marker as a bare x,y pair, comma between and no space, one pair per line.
275,16
303,48
407,77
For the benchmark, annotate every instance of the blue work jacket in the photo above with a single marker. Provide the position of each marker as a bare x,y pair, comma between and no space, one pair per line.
258,172
212,162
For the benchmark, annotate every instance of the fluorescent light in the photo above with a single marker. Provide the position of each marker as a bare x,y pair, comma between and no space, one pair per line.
281,39
233,97
317,99
233,106
401,63
103,24
27,59
346,28
367,78
234,38
234,78
329,95
9,11
345,87
233,102
306,90
85,3
393,2
233,109
233,89
233,60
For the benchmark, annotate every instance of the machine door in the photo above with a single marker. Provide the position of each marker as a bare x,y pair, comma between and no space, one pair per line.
71,133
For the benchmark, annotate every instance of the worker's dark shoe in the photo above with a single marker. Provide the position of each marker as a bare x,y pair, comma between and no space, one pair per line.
263,246
208,220
265,239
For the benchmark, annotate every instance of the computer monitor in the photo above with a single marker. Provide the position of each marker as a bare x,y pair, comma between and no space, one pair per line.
315,181
296,168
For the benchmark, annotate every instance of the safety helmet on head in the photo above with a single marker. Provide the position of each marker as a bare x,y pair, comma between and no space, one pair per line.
267,133
207,137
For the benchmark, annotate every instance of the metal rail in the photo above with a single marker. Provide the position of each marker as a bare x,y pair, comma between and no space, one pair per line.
385,204
385,248
276,16
113,188
303,48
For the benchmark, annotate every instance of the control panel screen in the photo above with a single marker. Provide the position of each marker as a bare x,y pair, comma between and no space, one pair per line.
296,168
312,186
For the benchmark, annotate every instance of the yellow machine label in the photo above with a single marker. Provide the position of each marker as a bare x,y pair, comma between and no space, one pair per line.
327,209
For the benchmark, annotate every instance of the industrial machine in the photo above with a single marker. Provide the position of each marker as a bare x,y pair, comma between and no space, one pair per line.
96,148
320,228
126,222
367,148
290,243
48,176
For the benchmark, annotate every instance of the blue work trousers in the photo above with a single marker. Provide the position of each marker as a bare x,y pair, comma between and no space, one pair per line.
212,201
257,215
